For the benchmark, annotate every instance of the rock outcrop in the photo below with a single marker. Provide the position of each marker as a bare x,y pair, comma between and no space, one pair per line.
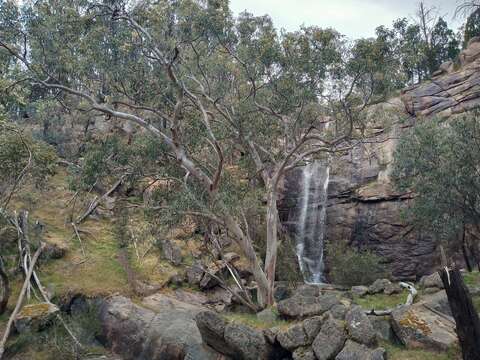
161,328
450,92
364,208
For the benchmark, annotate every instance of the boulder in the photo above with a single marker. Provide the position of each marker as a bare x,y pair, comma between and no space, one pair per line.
382,327
282,291
35,317
299,306
392,289
330,340
293,337
359,290
267,315
195,273
338,311
355,351
379,286
431,281
418,327
359,327
246,342
171,252
212,330
161,328
312,327
304,353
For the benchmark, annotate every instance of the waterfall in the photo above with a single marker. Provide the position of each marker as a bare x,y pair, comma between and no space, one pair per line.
311,224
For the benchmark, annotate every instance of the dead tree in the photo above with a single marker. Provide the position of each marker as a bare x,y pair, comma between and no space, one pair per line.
464,313
4,288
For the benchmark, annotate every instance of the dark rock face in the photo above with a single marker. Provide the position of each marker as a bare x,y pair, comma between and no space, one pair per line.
364,209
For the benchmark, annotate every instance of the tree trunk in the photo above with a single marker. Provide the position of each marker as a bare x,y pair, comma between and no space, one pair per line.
272,242
245,243
4,288
465,250
465,315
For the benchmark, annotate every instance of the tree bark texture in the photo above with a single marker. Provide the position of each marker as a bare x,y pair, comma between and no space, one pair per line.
465,315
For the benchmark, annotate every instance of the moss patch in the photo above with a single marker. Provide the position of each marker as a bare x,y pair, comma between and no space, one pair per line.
252,320
381,301
397,352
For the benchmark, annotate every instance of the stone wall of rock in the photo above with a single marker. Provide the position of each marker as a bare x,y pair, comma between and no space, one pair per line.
363,207
450,91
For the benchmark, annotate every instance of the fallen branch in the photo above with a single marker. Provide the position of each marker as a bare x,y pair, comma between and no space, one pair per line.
412,293
20,300
79,239
94,204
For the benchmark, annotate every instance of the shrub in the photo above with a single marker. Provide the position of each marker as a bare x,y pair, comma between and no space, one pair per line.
350,266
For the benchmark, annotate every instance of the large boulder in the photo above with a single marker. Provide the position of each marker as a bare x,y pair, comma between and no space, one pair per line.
330,340
161,328
359,327
431,281
355,351
246,342
293,337
382,327
35,317
299,306
233,340
418,327
171,252
212,330
304,353
379,286
359,290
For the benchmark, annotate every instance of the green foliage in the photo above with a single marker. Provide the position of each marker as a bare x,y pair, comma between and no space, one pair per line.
114,156
55,343
438,161
351,267
23,158
381,301
472,27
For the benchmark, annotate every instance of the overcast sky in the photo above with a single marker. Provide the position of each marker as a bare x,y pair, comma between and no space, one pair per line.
354,18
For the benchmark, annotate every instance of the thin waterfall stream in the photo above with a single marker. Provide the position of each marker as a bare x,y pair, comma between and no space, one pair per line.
311,224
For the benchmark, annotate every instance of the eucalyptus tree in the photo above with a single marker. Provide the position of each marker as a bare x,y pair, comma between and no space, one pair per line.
227,99
439,162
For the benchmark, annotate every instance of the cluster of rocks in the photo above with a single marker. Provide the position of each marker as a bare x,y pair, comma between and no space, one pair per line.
380,286
324,326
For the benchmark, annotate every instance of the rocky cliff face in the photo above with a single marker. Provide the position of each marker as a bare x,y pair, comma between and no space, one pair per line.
363,207
450,91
